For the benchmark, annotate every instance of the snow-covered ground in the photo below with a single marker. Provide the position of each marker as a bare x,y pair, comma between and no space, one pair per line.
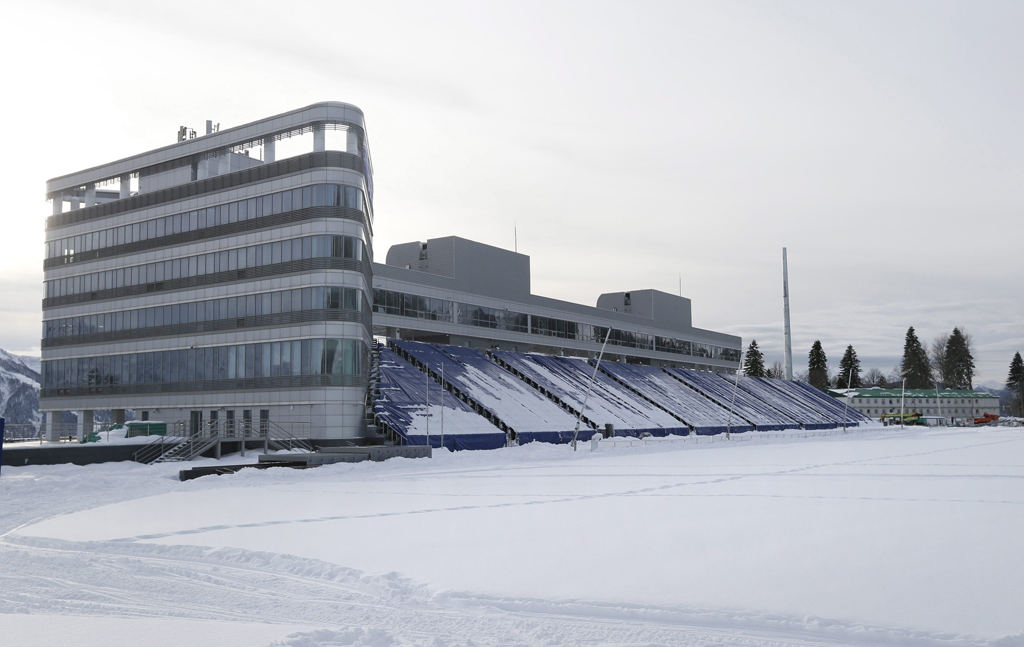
879,536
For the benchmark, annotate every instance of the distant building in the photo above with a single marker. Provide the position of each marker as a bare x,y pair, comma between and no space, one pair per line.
950,404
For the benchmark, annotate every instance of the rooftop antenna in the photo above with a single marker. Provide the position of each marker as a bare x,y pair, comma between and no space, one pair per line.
785,302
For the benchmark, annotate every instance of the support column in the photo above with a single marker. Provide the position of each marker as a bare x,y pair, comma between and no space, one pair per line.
126,186
58,204
50,430
319,138
224,165
90,195
117,416
84,426
269,151
75,202
351,142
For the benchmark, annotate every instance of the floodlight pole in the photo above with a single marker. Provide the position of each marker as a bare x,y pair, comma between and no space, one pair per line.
849,397
442,405
788,356
586,397
938,398
735,387
903,400
426,374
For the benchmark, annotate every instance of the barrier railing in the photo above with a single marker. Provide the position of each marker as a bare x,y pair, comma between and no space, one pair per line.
181,444
62,432
631,441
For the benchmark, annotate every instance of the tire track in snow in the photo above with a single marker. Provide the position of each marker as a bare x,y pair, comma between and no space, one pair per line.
342,605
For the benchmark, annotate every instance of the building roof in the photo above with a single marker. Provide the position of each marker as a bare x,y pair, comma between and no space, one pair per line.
876,392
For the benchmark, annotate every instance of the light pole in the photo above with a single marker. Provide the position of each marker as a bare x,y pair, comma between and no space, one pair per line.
586,397
903,400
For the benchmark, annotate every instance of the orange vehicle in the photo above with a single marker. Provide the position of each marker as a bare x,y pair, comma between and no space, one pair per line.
987,418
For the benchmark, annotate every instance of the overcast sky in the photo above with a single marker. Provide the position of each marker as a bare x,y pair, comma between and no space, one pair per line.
630,143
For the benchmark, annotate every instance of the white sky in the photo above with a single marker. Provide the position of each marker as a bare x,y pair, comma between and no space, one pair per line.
630,143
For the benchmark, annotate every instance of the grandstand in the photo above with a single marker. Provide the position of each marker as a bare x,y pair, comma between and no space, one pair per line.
469,399
725,393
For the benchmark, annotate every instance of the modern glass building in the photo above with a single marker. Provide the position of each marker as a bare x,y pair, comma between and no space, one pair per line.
229,278
226,277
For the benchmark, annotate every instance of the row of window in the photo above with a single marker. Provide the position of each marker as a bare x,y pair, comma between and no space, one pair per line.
299,299
272,359
912,401
337,195
927,412
411,305
282,251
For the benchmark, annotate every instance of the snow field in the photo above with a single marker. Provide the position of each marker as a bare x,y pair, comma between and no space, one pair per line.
879,536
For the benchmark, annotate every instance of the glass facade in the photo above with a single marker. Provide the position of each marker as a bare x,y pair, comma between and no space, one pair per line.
318,195
496,318
245,361
409,305
300,299
232,259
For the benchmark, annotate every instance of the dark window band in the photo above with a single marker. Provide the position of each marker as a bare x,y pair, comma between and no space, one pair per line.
280,382
280,319
230,276
294,358
299,163
276,220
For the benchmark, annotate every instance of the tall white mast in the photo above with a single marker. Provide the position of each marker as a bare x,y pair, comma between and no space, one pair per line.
785,301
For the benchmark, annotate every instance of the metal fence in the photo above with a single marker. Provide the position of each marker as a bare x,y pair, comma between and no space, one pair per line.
63,432
629,441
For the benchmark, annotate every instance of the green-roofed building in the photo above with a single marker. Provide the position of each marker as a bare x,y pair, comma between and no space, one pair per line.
940,407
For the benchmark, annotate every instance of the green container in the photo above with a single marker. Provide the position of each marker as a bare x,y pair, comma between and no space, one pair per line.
145,428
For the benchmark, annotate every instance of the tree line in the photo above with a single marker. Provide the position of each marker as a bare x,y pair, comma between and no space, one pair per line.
947,363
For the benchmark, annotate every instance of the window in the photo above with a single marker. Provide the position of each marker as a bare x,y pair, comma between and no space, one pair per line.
332,195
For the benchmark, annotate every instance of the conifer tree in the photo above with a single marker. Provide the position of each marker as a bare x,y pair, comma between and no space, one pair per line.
958,369
849,370
753,365
915,367
817,367
1015,384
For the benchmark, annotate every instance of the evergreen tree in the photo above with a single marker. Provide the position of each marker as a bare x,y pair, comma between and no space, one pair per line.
958,369
753,365
849,370
817,367
915,367
1015,384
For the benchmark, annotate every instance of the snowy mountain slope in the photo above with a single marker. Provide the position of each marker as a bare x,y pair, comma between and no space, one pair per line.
19,388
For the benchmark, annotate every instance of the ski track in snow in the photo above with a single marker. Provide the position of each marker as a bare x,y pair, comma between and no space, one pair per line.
123,578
